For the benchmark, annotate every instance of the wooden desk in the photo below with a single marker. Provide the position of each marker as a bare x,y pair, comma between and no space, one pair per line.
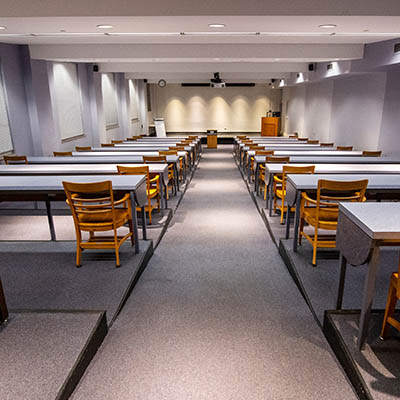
3,305
270,126
50,187
363,228
296,184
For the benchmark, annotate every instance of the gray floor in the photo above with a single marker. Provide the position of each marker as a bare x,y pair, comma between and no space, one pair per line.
215,314
379,362
42,275
38,351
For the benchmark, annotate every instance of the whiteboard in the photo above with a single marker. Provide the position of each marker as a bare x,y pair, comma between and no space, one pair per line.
109,100
5,133
68,99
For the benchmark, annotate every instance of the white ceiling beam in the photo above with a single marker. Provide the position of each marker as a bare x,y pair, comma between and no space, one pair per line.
53,8
130,52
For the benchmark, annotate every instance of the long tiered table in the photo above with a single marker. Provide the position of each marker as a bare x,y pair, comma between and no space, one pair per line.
49,187
3,305
363,228
85,169
378,183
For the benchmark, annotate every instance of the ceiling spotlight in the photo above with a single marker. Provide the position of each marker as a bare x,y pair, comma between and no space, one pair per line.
3,27
216,25
327,26
104,26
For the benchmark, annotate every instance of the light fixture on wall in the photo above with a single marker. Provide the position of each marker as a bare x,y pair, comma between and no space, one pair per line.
104,26
3,27
327,26
216,25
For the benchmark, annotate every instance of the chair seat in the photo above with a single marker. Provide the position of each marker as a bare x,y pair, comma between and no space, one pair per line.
152,192
122,214
280,193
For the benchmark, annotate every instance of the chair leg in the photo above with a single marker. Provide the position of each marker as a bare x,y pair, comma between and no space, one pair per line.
390,307
265,192
150,219
78,255
282,210
131,231
315,246
301,228
117,265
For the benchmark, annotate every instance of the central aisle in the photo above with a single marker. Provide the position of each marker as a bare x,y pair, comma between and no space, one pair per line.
215,314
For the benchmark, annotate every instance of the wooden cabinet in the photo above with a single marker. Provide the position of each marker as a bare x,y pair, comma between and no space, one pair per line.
270,126
212,141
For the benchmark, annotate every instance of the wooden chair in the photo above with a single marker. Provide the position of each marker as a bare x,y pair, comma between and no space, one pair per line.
293,136
15,160
366,153
264,152
62,153
309,141
94,210
280,184
162,159
344,148
393,296
302,139
327,144
193,137
322,213
174,153
107,144
117,141
83,148
241,137
132,139
152,185
270,160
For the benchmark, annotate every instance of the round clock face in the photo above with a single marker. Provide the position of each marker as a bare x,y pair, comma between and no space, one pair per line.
162,83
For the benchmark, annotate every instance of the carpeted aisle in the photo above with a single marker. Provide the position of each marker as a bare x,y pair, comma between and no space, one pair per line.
215,314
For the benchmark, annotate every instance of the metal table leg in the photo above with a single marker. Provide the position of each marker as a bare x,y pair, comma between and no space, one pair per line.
296,222
287,233
369,289
343,267
50,219
135,223
144,222
3,305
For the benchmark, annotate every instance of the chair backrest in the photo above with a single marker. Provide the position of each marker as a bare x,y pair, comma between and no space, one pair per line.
62,153
132,139
255,147
290,169
293,136
137,170
327,144
154,159
107,144
241,137
90,199
168,152
83,148
309,141
344,148
302,139
366,153
193,137
277,160
331,193
177,148
264,152
15,160
117,141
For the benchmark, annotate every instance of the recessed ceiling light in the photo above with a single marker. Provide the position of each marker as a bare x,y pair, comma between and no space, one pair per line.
216,25
327,26
104,26
3,27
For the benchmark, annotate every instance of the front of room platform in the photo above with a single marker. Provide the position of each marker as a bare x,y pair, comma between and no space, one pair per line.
217,304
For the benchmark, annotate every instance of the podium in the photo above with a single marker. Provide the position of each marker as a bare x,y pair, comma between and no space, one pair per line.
270,126
160,127
212,139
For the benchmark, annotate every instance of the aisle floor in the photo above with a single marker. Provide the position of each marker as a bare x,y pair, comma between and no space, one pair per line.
215,314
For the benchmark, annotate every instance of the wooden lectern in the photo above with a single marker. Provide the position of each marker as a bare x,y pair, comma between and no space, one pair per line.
270,126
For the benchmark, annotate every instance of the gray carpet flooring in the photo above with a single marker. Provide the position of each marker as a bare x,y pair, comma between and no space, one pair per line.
215,314
38,351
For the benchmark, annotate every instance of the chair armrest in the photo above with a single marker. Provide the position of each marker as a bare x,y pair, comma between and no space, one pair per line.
305,197
126,197
279,180
155,179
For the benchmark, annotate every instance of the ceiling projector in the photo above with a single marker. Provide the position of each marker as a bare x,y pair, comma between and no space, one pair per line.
217,83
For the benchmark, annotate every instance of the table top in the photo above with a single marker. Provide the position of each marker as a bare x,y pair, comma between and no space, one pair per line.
53,183
380,221
70,169
117,155
287,146
336,160
341,168
310,153
137,159
137,148
375,181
